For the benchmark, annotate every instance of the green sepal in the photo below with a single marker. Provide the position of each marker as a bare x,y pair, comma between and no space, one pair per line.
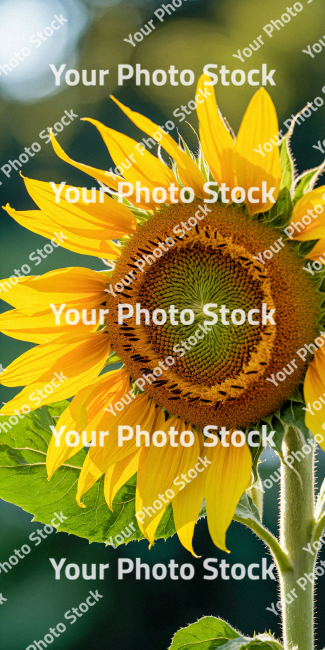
113,358
141,215
320,504
182,145
210,633
289,415
202,164
200,159
280,213
109,272
256,452
176,174
292,415
256,493
23,482
279,427
287,164
303,248
246,509
306,182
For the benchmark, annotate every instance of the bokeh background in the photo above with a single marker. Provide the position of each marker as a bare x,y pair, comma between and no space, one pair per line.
134,615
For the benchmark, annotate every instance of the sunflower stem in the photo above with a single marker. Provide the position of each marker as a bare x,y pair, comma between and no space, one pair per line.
263,533
297,526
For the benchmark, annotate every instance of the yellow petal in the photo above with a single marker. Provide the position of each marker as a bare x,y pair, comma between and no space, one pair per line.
164,466
314,390
99,459
88,406
109,179
150,530
87,403
58,451
189,172
9,289
227,479
217,143
103,219
140,411
187,503
40,327
316,228
38,222
57,370
144,451
119,474
75,286
259,125
142,167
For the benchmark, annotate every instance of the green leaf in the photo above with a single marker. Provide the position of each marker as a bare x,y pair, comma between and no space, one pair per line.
236,644
23,481
259,642
203,511
307,181
210,633
207,634
246,509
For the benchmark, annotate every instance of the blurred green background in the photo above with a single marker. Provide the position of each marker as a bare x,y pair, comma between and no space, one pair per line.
134,615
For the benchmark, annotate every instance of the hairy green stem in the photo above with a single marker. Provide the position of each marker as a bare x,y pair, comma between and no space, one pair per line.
278,553
296,531
301,527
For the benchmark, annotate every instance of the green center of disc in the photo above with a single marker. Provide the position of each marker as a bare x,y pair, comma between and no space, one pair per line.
190,278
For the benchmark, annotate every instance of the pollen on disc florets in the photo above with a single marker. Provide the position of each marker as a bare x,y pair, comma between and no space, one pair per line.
221,380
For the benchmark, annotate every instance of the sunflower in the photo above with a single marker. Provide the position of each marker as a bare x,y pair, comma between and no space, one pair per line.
185,254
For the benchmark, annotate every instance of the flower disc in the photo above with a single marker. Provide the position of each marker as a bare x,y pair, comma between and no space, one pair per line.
218,373
192,277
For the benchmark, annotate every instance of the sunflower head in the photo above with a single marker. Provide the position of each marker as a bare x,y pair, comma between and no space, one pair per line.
243,312
220,373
